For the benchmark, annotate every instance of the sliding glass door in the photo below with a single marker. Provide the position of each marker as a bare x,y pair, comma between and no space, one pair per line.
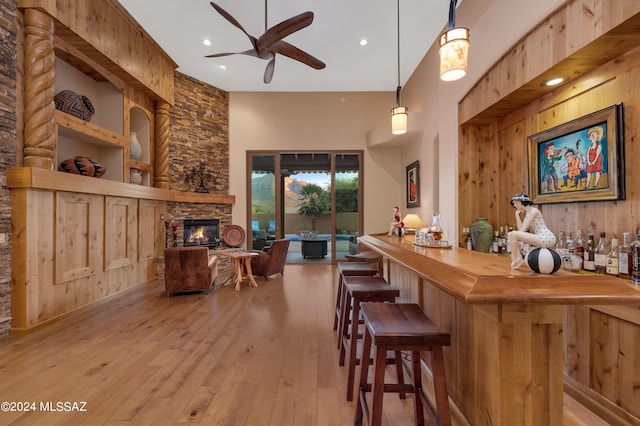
306,196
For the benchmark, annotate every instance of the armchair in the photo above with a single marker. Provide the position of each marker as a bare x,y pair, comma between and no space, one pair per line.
271,260
189,269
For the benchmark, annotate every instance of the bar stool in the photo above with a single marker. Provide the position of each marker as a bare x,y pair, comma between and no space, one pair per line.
404,326
358,290
367,257
349,269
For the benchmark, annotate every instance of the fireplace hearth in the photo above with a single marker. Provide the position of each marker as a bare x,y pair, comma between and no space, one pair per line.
201,232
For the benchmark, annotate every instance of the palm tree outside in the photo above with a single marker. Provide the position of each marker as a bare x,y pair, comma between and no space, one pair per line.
314,200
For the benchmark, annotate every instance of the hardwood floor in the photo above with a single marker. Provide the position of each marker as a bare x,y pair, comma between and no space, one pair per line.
261,356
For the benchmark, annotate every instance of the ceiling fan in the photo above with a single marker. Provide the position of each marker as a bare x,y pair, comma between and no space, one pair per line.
270,43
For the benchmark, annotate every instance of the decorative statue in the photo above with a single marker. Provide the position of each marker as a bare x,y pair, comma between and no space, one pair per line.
531,229
397,225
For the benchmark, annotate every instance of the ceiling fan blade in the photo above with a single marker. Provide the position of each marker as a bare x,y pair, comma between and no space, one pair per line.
233,21
290,51
283,29
250,52
268,71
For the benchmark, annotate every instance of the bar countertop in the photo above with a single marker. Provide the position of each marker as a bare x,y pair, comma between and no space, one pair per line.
482,278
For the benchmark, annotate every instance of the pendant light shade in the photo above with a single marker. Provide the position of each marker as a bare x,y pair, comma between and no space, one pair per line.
454,49
399,114
399,122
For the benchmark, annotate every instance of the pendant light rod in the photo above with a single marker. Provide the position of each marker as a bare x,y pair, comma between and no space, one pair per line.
399,113
398,38
265,16
452,14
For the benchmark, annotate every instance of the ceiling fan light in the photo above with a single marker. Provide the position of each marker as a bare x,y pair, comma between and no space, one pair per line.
454,52
399,120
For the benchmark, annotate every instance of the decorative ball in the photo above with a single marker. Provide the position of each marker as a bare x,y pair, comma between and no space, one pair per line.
84,166
544,260
399,231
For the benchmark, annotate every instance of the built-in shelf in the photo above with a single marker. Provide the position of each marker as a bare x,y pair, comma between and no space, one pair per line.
36,178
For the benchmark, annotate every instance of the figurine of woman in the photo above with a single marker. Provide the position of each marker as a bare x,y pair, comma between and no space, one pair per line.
397,221
531,229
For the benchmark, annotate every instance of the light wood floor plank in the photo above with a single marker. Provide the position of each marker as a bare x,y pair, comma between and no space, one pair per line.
261,356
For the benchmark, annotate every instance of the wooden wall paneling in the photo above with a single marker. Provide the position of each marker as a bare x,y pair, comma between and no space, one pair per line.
106,30
79,235
604,354
579,37
462,339
513,170
31,225
121,231
576,343
147,230
477,173
44,239
628,355
485,341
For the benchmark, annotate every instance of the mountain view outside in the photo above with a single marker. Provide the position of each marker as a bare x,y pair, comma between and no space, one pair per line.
263,194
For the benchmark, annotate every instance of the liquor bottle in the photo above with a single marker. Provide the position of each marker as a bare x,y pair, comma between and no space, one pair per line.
501,238
600,255
570,243
494,244
435,229
612,258
624,257
589,255
635,256
579,243
561,244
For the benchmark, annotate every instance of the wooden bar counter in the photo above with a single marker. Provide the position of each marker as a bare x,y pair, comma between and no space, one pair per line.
505,364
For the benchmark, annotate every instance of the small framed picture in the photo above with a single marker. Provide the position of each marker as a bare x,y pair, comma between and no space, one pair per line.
413,185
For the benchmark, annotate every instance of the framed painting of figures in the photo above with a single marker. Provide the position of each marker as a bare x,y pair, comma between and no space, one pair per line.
582,160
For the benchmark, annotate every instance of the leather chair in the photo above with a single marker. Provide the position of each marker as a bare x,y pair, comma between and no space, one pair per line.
271,260
189,269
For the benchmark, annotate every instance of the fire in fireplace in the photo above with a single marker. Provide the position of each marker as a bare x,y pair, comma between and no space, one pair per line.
201,232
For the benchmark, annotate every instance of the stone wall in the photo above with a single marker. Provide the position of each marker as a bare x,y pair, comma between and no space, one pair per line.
8,28
199,131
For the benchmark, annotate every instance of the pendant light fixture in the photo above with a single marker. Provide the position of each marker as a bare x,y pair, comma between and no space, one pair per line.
399,114
454,49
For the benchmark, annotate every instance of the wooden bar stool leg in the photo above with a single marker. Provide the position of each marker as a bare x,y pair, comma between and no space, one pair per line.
353,346
377,391
364,373
400,372
338,301
417,387
345,312
440,385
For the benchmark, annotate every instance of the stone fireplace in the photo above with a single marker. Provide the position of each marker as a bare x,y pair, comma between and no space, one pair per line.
201,232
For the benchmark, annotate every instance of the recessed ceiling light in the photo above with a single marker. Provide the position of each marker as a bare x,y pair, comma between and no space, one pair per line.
553,81
364,42
206,42
224,67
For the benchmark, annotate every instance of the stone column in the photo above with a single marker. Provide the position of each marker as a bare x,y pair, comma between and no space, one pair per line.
162,145
40,140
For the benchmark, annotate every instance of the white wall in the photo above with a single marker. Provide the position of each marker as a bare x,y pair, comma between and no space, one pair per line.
316,121
322,121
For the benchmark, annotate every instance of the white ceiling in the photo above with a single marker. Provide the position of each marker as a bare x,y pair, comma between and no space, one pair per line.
180,26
